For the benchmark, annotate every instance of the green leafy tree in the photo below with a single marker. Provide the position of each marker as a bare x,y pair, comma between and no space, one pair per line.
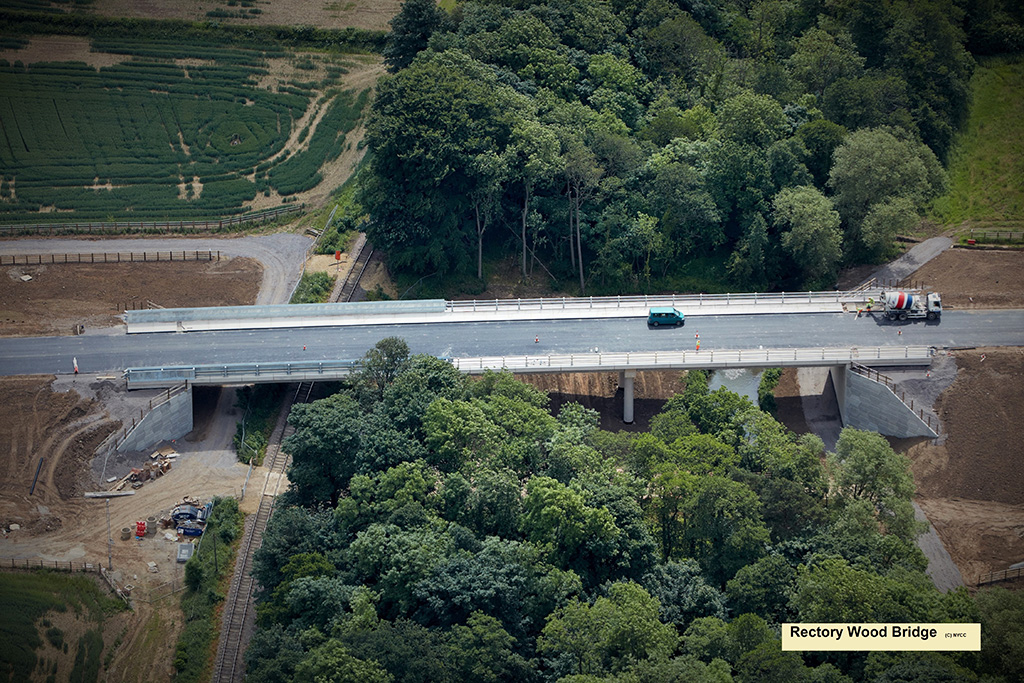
671,491
755,261
291,531
323,448
919,667
820,138
682,593
609,634
382,363
681,51
193,574
491,171
408,651
724,530
865,467
430,121
392,560
459,433
925,40
504,579
812,236
763,588
410,32
768,663
832,591
1002,623
301,566
576,535
752,119
494,503
868,101
331,663
884,222
534,158
685,208
422,380
582,174
708,639
876,165
820,58
484,651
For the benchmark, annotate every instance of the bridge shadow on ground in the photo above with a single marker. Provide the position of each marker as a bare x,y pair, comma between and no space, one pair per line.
610,410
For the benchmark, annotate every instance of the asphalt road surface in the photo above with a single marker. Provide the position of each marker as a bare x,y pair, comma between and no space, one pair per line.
114,353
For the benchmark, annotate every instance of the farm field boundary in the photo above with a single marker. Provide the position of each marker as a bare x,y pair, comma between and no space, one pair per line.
153,226
118,257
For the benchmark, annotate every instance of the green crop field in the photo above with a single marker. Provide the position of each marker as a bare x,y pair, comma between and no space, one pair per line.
127,142
25,598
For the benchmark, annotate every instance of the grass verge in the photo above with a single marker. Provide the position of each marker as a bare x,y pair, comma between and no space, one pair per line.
987,168
260,405
314,288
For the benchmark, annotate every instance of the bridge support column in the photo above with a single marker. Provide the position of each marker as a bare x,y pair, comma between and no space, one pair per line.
626,378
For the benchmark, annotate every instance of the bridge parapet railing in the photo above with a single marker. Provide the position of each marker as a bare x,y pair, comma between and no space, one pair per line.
229,373
646,301
239,373
709,358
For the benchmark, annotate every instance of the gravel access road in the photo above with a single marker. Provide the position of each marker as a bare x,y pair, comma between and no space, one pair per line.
282,254
917,256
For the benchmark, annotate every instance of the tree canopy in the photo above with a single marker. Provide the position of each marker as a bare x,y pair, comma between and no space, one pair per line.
498,541
608,145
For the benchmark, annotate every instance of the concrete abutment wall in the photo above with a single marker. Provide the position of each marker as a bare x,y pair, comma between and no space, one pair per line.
171,419
872,406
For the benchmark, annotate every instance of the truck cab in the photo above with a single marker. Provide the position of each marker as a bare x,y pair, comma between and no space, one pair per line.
665,315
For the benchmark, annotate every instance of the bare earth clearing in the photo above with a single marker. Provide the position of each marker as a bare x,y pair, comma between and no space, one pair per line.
60,296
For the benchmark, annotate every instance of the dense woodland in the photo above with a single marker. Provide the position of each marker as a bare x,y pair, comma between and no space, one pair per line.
623,145
441,528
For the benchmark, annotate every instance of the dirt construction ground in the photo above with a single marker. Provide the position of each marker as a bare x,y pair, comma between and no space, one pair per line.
60,296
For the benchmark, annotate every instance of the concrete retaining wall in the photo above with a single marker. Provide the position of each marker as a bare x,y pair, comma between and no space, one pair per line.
872,406
169,420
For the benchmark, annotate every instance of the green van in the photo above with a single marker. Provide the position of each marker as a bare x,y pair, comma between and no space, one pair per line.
665,316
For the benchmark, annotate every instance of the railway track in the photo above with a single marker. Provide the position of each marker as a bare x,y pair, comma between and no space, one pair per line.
239,617
348,288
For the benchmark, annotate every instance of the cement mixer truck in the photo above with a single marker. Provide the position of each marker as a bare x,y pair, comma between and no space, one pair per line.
904,305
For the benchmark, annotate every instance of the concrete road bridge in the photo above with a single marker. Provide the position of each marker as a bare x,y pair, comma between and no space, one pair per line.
236,345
